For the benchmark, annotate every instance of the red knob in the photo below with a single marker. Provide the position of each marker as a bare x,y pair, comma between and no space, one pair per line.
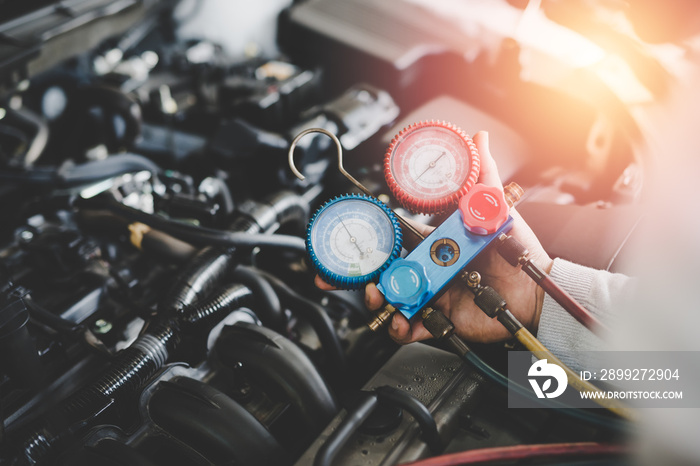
430,165
484,209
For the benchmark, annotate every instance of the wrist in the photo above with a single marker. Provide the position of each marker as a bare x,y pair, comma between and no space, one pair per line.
545,264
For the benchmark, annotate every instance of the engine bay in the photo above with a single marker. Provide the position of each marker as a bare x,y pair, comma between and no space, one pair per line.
157,303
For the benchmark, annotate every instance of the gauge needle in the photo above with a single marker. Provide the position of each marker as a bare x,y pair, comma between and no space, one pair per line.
353,240
431,165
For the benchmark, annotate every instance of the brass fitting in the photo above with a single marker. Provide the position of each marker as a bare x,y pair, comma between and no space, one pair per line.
471,279
381,318
512,192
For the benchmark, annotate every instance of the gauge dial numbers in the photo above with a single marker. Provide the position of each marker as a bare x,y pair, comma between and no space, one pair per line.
352,239
429,166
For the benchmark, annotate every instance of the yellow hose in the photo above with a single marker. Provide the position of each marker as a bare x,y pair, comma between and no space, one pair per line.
541,352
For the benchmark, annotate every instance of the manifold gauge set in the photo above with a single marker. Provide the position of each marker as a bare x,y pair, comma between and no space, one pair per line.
430,168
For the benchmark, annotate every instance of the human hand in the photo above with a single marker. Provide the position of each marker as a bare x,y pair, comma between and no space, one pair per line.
523,296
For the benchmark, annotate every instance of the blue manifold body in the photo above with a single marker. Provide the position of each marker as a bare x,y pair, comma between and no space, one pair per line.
409,284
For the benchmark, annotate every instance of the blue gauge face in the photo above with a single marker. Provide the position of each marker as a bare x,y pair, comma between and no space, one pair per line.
351,239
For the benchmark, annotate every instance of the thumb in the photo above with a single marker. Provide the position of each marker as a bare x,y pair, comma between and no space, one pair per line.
488,172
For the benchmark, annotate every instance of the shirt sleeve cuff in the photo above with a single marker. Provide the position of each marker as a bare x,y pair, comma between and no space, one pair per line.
558,331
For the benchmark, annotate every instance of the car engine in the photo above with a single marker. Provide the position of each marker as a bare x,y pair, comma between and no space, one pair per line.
157,304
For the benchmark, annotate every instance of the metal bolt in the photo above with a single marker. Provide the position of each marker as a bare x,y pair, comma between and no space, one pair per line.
26,236
471,279
101,326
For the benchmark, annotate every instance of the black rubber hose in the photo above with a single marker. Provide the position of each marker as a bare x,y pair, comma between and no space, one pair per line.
26,119
20,357
319,321
198,279
289,208
111,166
241,240
268,307
90,172
197,235
353,420
273,211
280,208
276,359
102,222
133,366
213,424
167,247
418,410
137,364
107,452
46,317
213,309
130,370
222,192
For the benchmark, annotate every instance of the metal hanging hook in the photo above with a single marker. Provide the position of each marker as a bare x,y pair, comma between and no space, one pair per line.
410,228
339,147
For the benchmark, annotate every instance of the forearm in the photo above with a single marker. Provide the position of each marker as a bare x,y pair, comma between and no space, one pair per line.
601,293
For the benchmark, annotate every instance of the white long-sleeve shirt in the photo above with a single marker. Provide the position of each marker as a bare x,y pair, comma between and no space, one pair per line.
600,292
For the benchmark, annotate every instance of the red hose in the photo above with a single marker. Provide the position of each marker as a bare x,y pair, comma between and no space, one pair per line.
516,254
518,452
564,299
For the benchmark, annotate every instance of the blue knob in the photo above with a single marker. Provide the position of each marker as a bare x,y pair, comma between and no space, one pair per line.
405,285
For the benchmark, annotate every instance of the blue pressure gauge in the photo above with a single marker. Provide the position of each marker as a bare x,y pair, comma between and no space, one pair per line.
352,239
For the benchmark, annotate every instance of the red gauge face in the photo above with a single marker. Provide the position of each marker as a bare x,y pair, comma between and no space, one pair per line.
430,166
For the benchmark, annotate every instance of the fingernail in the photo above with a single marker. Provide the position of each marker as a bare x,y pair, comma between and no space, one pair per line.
394,325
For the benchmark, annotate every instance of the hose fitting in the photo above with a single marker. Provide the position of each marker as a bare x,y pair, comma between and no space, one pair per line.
381,318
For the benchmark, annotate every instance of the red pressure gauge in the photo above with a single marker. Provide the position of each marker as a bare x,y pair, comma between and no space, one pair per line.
430,165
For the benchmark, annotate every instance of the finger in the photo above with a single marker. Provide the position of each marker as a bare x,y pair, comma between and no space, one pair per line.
373,297
400,329
488,172
419,332
410,242
423,229
318,281
403,332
